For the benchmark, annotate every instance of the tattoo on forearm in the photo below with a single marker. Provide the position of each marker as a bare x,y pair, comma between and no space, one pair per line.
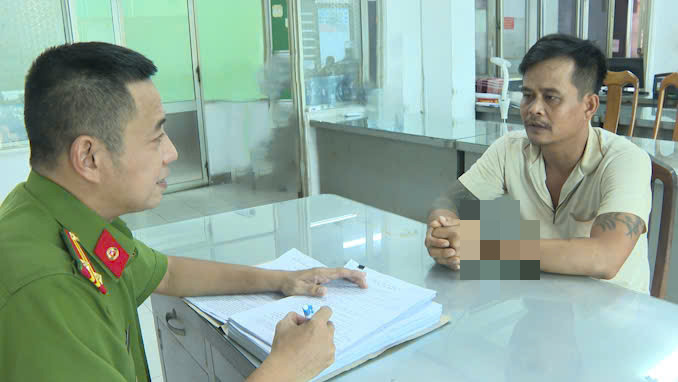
453,198
608,222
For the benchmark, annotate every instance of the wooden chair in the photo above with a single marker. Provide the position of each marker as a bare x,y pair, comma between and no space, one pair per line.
661,266
670,80
615,82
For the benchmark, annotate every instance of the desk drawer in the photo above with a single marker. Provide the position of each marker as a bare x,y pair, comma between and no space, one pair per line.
184,325
177,364
223,370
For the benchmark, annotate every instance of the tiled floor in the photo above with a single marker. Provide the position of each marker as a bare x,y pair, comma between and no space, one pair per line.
186,205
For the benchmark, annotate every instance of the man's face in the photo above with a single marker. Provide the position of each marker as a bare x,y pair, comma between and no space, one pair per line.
551,108
137,178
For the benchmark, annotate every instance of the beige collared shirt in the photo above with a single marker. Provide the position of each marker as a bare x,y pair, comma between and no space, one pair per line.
613,175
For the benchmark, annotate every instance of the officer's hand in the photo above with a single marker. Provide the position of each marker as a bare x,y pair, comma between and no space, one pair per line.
309,281
443,241
302,348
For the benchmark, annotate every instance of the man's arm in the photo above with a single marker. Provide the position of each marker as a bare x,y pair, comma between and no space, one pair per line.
448,203
191,277
613,236
442,235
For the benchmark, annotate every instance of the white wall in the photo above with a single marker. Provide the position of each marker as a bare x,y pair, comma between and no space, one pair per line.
463,69
437,55
402,87
253,142
232,131
448,52
663,43
14,168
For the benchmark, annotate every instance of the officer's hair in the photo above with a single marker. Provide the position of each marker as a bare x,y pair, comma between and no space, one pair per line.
80,89
590,66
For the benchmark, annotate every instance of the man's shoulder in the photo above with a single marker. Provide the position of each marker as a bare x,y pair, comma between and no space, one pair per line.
514,140
30,245
614,146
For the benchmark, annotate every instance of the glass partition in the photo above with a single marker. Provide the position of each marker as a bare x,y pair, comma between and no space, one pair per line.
514,33
27,28
331,34
93,21
485,27
159,29
231,39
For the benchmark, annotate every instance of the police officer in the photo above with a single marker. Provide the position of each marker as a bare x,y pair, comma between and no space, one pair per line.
71,274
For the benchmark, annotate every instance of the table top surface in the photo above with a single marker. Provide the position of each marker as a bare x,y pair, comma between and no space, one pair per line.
557,328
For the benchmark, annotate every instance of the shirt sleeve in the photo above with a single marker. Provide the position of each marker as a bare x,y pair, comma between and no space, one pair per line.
148,271
50,331
485,178
628,194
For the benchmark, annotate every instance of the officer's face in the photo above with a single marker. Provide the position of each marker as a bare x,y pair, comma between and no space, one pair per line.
139,174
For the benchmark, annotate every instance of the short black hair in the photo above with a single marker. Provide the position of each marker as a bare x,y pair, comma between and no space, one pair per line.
590,64
80,89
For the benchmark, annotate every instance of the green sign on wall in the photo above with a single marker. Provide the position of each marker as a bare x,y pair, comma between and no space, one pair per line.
279,26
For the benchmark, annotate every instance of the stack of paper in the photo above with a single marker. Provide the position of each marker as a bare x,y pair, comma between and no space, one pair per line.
367,321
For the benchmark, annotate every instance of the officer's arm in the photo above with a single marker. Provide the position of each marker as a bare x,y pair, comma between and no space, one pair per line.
613,237
192,277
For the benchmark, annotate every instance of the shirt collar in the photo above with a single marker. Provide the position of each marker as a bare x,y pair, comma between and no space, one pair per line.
76,217
593,153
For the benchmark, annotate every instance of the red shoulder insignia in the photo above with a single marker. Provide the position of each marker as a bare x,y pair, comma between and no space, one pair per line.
111,253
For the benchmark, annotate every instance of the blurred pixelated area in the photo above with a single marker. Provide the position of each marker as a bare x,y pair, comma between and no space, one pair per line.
497,244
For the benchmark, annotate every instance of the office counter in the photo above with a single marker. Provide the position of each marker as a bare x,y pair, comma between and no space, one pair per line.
558,328
413,128
399,165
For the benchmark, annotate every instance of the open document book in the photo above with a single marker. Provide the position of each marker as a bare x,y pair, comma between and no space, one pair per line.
367,321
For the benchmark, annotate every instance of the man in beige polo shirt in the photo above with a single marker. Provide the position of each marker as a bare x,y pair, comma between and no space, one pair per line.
589,188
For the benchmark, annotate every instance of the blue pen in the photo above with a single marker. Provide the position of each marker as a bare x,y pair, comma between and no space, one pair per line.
308,311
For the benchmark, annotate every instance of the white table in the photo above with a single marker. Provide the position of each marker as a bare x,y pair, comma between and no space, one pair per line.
558,328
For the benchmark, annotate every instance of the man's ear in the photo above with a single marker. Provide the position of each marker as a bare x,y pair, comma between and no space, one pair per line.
591,102
86,157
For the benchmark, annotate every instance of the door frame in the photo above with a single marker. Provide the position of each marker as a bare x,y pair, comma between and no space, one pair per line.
196,105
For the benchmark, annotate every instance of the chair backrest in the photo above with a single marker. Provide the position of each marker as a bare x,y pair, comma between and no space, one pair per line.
615,82
661,266
670,80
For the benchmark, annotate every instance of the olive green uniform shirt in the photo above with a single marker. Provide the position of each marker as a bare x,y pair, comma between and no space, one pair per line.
55,325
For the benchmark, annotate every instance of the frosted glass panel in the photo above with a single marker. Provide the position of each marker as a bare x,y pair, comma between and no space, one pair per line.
94,20
231,35
27,28
159,30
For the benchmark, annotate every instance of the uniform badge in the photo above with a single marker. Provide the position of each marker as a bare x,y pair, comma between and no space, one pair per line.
111,253
84,266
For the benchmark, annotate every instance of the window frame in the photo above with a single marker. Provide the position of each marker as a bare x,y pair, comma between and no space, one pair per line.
495,30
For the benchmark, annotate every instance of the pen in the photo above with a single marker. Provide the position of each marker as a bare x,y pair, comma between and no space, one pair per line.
308,311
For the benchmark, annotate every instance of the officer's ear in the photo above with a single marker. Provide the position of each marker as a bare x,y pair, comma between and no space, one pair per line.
86,156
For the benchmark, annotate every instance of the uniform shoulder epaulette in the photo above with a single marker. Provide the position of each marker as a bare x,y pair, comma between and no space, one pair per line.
84,266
